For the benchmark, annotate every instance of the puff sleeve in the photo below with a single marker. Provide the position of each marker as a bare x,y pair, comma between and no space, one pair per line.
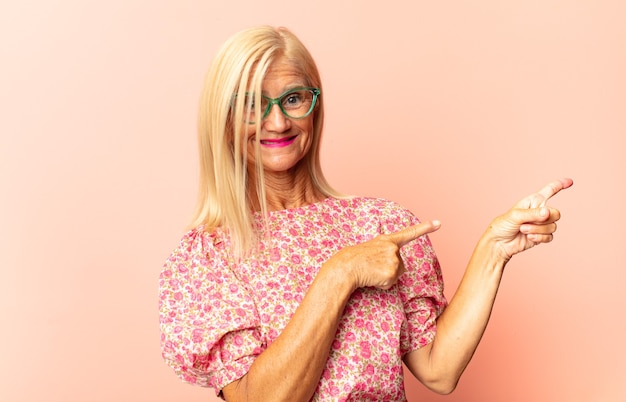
209,323
420,287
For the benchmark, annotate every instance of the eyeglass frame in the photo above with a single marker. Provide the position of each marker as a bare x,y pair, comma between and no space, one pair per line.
277,101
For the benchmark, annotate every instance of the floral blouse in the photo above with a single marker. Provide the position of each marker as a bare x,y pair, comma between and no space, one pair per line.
216,315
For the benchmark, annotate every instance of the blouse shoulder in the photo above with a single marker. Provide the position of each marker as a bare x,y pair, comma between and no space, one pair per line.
387,211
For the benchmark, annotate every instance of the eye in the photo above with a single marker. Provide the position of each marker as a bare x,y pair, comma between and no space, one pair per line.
250,101
293,99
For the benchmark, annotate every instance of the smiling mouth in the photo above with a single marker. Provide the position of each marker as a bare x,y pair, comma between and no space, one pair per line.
278,142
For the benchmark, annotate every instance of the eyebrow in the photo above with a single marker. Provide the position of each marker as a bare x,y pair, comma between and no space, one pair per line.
287,89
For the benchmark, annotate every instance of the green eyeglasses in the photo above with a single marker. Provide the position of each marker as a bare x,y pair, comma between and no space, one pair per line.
296,103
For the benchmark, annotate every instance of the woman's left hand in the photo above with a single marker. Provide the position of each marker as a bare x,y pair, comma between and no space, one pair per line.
528,223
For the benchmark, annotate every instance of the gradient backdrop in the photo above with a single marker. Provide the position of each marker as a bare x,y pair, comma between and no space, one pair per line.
455,109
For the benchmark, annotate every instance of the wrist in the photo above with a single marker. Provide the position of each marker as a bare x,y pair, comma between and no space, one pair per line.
490,250
338,281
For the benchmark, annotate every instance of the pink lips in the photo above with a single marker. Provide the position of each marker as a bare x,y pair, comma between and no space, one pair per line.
278,142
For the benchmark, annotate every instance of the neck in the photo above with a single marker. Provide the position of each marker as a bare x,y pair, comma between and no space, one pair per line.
285,190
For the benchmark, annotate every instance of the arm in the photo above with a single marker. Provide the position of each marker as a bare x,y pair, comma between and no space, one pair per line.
460,327
290,368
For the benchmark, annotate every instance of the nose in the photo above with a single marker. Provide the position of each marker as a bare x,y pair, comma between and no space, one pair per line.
275,120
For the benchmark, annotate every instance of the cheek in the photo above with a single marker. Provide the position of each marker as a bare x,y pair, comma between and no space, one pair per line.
249,143
308,128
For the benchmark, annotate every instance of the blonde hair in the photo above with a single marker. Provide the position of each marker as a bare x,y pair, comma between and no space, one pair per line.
241,63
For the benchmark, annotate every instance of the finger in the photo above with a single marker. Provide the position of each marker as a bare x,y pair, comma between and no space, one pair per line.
541,215
402,237
552,188
538,229
538,238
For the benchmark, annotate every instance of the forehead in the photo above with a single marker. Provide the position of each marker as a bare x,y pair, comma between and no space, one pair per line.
283,73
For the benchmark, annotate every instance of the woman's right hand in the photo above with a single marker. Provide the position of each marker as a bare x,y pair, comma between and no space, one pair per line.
377,262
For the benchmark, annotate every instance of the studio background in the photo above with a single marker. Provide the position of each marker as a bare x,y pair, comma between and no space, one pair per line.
455,109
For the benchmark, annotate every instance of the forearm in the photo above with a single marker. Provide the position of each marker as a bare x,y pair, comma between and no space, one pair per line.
461,326
290,368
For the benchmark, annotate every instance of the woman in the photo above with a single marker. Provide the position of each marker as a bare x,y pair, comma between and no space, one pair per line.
285,289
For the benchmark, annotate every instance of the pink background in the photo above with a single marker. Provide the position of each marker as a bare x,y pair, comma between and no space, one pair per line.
454,109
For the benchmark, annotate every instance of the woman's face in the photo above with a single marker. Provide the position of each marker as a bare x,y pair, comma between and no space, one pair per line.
283,141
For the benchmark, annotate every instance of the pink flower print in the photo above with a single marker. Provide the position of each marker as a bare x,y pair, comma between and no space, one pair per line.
169,346
384,326
275,254
409,281
238,340
360,386
196,335
211,298
257,351
343,361
422,318
393,342
327,243
226,355
189,379
327,218
366,351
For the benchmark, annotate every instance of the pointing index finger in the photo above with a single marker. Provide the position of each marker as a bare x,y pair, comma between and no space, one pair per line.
553,188
408,234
